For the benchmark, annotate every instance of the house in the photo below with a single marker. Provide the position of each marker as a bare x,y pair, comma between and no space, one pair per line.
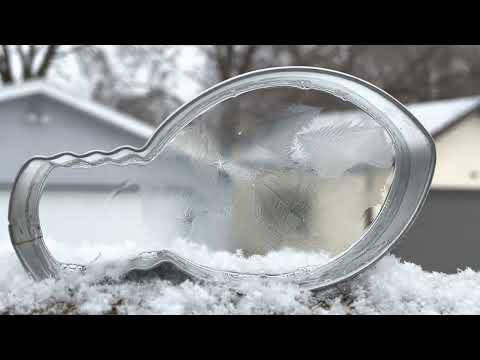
38,119
98,206
446,236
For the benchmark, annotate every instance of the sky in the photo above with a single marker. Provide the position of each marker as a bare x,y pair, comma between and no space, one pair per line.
67,74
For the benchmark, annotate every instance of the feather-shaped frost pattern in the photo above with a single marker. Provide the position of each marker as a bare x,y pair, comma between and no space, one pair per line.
333,144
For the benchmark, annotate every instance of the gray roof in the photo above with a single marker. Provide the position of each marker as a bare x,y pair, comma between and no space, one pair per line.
99,111
37,119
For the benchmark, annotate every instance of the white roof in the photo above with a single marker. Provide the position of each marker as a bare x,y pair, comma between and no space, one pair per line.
113,117
437,115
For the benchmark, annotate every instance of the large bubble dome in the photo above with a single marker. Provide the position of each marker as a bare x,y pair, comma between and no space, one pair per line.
289,174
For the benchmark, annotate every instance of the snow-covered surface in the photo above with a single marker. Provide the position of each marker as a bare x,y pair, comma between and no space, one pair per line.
436,115
391,287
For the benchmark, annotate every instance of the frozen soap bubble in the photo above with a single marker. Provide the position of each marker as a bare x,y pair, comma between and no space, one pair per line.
293,174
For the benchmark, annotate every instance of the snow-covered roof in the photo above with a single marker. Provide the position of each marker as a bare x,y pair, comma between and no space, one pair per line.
99,111
436,116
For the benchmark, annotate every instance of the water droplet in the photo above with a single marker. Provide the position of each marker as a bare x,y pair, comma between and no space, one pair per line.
305,84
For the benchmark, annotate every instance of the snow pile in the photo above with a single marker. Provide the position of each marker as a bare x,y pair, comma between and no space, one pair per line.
391,287
279,261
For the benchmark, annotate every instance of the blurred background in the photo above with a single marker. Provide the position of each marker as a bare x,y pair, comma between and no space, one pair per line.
140,79
143,84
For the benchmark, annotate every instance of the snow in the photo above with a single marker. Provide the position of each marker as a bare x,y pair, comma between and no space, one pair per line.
391,287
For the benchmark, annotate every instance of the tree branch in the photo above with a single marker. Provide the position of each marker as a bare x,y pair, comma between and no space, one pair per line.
47,61
225,60
248,58
73,50
410,69
6,67
26,62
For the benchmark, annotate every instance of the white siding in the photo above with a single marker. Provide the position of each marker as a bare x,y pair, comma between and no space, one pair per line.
77,224
458,156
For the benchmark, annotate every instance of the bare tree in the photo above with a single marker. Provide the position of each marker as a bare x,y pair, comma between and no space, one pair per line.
34,61
229,60
409,72
5,65
133,79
